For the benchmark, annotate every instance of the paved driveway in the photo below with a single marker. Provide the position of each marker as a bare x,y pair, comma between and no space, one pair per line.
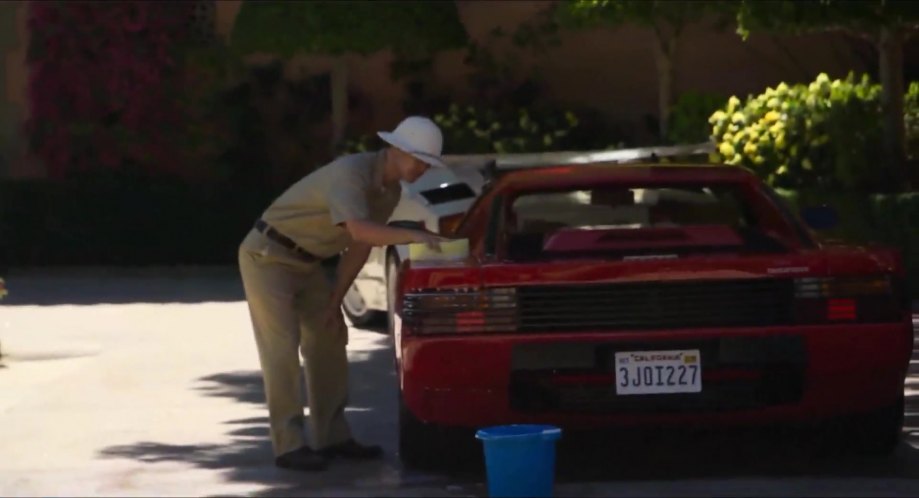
147,383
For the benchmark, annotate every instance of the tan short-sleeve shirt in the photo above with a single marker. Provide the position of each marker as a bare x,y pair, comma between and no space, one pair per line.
313,210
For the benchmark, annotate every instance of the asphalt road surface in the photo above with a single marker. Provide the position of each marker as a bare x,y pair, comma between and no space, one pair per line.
141,383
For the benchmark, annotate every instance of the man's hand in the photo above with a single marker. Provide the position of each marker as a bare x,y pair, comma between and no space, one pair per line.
332,317
432,240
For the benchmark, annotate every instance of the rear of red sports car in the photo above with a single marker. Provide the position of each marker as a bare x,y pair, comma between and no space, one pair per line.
648,296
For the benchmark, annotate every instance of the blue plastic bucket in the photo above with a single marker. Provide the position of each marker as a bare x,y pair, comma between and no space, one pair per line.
520,459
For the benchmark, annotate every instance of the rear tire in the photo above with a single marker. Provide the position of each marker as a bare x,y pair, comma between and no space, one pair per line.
872,434
420,444
427,446
878,433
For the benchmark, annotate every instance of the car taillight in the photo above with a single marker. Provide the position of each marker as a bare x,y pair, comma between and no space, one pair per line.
447,224
847,299
460,311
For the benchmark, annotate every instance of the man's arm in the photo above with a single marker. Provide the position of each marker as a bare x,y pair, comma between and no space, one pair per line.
375,234
348,207
349,265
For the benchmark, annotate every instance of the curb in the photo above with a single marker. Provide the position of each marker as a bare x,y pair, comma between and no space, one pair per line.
124,271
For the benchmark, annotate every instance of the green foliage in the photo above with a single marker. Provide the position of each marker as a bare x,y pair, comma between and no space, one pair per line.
689,117
362,143
883,22
801,16
591,13
102,85
263,125
137,219
134,220
823,135
205,76
481,130
666,18
338,27
872,219
895,217
911,119
853,209
539,33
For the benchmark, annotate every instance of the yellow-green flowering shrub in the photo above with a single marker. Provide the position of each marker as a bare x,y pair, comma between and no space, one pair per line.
826,134
911,118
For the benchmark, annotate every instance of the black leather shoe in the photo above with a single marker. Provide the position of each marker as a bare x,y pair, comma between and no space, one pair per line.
352,449
302,459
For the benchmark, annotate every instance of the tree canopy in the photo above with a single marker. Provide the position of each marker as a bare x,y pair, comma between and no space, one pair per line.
412,30
863,18
340,27
667,19
654,13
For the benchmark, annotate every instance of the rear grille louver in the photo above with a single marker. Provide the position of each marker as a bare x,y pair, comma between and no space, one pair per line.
655,305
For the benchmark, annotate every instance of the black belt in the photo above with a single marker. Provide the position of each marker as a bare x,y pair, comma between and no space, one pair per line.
285,241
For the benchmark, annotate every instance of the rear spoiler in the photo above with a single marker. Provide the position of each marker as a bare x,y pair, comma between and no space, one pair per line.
564,158
491,165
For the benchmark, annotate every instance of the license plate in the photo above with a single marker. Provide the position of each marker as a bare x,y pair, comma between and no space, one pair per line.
658,372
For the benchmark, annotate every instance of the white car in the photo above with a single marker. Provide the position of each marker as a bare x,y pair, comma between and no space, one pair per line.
441,197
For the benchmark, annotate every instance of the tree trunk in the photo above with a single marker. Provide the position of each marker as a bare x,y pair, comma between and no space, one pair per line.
339,82
665,50
890,52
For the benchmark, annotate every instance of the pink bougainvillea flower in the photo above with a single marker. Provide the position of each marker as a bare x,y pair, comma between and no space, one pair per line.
136,18
104,67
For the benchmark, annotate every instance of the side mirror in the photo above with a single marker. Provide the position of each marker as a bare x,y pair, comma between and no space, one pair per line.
820,217
412,225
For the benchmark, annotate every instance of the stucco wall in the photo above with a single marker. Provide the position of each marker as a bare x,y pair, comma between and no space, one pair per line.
610,70
13,102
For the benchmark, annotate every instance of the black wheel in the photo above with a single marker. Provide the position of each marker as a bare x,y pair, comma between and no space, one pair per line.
872,434
420,444
427,446
878,433
356,309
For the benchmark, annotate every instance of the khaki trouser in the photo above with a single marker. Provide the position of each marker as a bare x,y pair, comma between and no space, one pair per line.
287,298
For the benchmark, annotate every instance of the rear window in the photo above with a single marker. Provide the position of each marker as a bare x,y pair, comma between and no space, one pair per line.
659,220
628,208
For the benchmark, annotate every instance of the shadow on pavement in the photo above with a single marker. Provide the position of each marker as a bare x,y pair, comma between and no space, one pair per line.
120,286
588,457
724,454
248,457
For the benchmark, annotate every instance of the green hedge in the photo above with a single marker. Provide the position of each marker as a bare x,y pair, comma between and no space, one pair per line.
113,221
883,219
136,220
471,129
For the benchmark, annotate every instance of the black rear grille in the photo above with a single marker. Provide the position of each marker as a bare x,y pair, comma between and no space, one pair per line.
779,363
779,385
656,305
